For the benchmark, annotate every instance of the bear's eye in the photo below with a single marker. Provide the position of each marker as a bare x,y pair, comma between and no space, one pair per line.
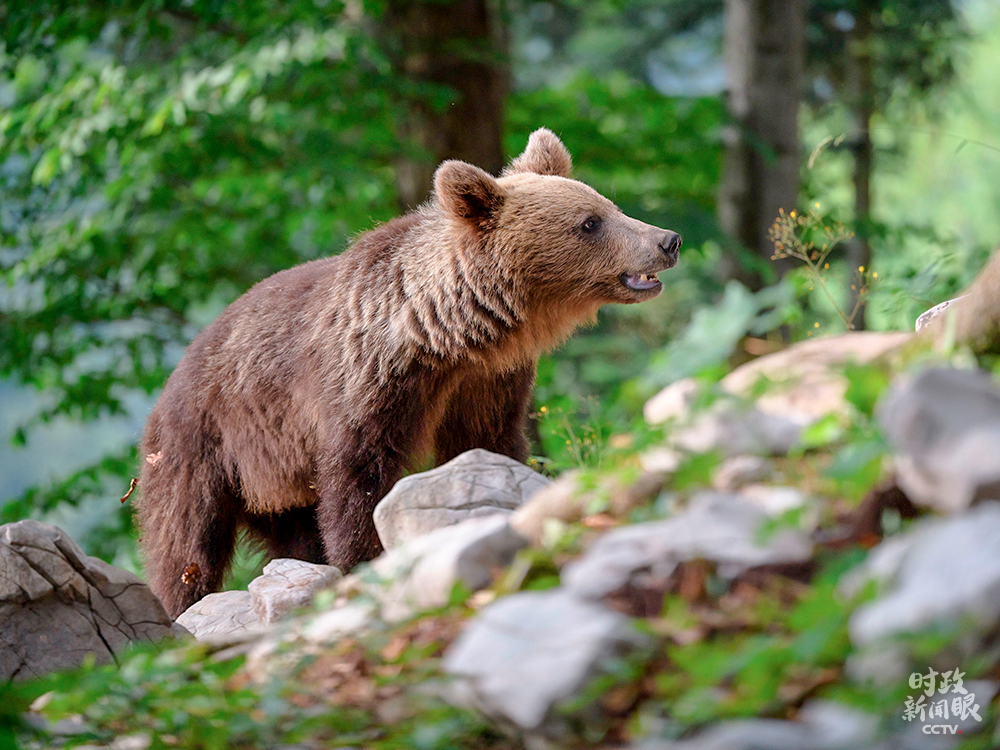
591,225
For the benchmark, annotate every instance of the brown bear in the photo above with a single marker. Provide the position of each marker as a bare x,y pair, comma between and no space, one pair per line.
293,413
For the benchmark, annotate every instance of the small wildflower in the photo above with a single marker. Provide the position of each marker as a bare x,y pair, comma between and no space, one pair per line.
826,266
861,269
816,324
874,274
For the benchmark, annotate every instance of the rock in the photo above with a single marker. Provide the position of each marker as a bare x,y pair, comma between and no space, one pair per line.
528,652
224,617
938,310
732,428
942,570
945,428
807,381
349,619
566,501
718,527
287,585
421,573
737,471
474,484
774,500
57,604
805,385
673,402
236,616
822,725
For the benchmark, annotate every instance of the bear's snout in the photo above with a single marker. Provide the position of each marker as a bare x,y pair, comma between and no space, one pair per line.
670,246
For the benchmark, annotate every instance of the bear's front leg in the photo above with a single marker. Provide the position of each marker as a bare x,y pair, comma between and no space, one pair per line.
349,489
487,411
365,458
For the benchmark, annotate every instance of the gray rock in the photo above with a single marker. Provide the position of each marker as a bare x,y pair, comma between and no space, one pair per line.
945,428
822,725
287,585
227,616
331,626
732,428
719,527
528,652
773,499
474,484
422,573
806,381
941,570
57,604
737,471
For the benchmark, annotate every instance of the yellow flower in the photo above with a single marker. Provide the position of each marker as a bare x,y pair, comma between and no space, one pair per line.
816,324
874,274
861,269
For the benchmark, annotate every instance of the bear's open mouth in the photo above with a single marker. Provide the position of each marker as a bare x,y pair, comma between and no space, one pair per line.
640,282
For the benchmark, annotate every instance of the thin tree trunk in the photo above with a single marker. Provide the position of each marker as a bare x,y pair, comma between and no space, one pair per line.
859,251
457,44
765,55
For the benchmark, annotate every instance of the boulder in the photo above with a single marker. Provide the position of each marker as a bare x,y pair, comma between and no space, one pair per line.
477,483
944,426
287,585
283,586
738,471
940,571
57,604
421,573
805,384
524,654
806,377
223,617
719,527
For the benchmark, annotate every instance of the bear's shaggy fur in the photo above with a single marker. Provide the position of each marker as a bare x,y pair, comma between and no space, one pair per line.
294,412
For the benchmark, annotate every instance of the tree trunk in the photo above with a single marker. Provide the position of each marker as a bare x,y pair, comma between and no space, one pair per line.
457,44
765,55
859,251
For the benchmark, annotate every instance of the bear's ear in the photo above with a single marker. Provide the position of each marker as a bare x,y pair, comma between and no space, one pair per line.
467,192
544,154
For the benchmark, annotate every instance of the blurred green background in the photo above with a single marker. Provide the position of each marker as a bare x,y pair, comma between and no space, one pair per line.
158,158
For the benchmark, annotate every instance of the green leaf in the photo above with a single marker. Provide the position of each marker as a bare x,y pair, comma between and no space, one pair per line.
865,384
822,432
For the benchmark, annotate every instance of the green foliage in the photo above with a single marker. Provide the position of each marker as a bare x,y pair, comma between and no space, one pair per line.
756,670
714,332
154,163
152,173
185,697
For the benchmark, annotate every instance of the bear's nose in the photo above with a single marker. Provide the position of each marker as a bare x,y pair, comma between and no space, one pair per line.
670,245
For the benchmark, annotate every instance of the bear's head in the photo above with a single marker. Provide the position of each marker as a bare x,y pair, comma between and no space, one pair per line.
559,237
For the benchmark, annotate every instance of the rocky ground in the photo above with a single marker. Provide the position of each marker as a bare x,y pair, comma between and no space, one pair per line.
805,556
